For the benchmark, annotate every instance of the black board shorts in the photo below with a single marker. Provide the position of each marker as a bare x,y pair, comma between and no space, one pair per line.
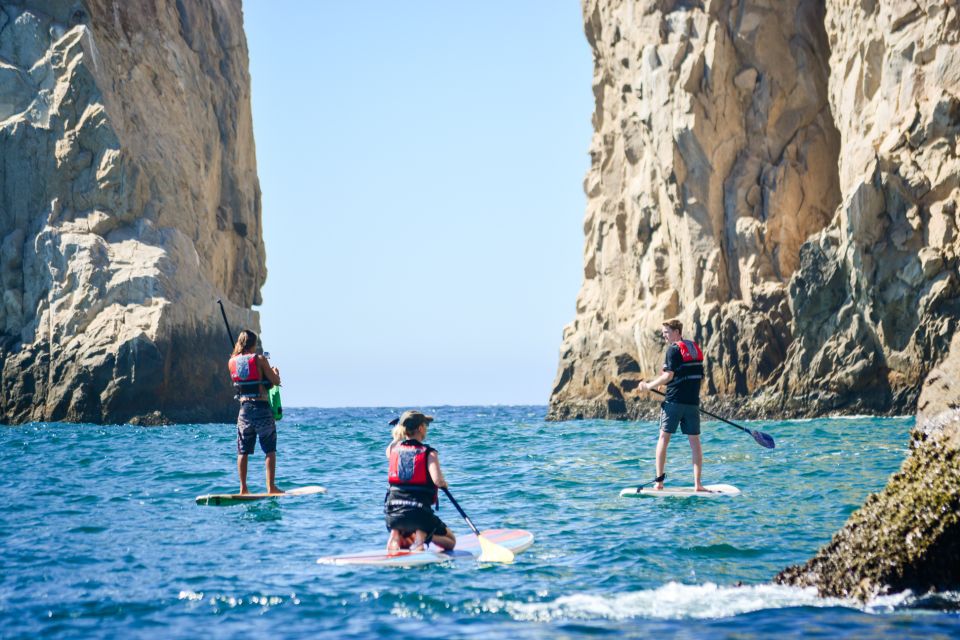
685,415
254,422
406,520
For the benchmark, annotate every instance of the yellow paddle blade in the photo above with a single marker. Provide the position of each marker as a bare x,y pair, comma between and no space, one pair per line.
492,552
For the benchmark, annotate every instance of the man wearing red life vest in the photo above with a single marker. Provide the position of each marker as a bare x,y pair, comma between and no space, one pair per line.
682,373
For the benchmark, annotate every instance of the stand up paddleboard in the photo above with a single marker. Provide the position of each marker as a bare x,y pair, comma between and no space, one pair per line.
468,548
713,491
227,499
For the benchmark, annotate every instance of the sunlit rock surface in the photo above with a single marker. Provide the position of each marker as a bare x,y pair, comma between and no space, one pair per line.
714,158
876,300
784,180
129,203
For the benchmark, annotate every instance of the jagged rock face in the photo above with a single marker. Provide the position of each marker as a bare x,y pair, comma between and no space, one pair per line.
908,535
817,282
714,158
875,301
129,203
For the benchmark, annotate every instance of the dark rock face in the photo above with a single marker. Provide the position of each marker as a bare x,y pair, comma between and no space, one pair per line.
128,204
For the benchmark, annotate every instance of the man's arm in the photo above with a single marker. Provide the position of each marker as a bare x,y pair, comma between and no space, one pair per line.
663,378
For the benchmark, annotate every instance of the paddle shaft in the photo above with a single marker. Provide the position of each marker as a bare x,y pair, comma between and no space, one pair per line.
712,415
462,513
224,314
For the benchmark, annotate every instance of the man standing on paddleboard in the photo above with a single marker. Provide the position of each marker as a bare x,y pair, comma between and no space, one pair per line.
251,374
682,373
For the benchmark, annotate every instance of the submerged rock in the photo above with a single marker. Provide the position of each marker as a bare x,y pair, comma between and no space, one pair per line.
129,203
908,535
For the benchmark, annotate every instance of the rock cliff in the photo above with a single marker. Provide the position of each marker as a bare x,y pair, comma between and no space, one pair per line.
129,203
781,176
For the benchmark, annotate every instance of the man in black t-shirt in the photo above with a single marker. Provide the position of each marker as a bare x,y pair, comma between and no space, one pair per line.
682,373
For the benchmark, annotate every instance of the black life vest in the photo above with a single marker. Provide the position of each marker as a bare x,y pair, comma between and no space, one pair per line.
692,367
245,374
409,473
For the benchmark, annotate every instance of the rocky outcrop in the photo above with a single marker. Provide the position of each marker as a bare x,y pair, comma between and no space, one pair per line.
785,181
908,535
129,203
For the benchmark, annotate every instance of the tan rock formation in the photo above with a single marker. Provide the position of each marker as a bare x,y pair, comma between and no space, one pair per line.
818,281
875,301
714,158
129,203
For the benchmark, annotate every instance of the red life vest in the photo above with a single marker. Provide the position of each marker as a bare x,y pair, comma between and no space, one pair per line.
408,468
245,374
692,367
689,351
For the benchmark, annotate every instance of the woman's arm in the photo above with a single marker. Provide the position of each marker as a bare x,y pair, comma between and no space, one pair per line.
433,466
270,373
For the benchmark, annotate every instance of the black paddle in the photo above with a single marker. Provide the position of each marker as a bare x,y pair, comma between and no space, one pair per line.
489,551
763,439
224,314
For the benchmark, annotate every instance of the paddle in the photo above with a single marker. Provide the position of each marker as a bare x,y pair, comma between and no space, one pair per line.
489,551
224,314
763,439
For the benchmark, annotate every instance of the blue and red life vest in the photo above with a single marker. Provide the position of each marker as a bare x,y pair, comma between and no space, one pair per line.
409,473
245,374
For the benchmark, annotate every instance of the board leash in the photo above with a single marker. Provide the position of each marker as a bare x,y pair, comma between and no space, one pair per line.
660,478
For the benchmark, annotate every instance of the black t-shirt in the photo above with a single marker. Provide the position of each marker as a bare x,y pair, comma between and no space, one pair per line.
685,386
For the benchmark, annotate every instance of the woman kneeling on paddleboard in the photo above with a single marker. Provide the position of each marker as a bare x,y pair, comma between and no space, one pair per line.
414,478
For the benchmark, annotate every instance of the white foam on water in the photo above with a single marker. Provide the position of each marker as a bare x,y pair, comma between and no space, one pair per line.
908,599
672,601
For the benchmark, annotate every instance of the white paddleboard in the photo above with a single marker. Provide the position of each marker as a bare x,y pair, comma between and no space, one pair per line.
713,491
227,499
468,548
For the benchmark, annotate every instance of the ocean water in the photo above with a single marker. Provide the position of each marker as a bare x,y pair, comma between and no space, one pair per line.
101,536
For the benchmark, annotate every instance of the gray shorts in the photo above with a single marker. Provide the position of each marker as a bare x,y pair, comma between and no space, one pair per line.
255,421
685,415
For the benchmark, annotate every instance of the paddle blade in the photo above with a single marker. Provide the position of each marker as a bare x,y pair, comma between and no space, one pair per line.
763,439
492,552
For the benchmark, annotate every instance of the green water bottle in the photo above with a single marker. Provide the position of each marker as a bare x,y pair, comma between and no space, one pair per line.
273,397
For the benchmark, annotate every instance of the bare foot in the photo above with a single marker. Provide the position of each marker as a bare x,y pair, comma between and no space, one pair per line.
658,486
702,488
392,544
244,491
275,489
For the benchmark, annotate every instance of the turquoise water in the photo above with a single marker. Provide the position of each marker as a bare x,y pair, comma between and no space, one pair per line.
102,538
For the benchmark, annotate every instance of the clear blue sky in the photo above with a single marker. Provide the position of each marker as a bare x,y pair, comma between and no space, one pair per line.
422,167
